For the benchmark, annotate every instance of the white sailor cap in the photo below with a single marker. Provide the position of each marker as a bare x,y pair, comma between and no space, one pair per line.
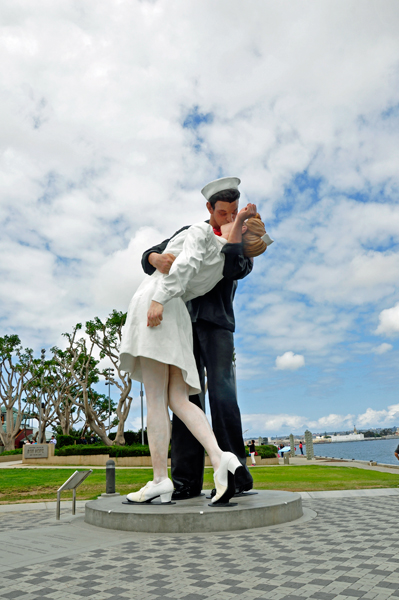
225,183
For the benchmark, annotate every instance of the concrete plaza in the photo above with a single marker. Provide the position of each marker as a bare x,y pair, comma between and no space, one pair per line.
345,547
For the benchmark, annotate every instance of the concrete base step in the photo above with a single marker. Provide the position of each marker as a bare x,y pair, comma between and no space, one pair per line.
195,515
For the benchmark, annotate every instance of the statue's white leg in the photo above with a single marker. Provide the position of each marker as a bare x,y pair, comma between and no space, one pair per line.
156,380
192,416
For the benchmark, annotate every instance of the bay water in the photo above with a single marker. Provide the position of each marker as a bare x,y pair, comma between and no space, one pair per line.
382,451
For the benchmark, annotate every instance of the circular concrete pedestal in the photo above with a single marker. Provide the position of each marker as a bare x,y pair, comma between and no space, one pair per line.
195,515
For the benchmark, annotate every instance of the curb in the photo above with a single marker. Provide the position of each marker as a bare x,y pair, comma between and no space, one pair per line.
40,506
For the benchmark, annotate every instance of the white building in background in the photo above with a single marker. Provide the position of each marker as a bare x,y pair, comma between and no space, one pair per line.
351,437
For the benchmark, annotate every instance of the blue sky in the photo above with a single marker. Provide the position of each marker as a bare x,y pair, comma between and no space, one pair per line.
116,115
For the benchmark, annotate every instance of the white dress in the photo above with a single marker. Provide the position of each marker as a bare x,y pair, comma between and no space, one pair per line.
196,270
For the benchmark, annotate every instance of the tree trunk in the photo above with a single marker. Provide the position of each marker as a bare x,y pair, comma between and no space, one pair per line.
122,410
120,435
8,438
94,424
100,431
64,421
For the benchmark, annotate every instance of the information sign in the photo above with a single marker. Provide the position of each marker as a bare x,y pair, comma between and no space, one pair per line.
36,451
71,484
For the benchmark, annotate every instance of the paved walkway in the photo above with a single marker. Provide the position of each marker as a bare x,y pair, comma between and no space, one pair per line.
345,547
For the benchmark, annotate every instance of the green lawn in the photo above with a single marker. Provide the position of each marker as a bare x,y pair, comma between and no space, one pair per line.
32,485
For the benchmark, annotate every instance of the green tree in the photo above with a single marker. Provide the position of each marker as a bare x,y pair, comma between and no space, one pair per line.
15,375
106,336
77,360
54,386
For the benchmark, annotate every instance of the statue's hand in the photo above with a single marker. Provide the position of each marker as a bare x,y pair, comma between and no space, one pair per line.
247,212
154,315
161,262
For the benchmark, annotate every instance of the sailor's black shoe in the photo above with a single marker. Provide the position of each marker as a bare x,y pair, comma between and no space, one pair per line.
243,488
185,494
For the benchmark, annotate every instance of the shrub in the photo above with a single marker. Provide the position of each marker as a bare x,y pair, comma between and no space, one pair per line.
10,452
266,451
66,440
136,450
131,437
77,449
115,451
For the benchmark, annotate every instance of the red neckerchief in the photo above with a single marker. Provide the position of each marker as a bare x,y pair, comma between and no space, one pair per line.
216,231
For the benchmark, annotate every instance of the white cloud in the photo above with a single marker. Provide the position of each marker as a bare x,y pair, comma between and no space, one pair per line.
389,321
382,348
119,276
96,164
379,418
134,424
290,361
275,424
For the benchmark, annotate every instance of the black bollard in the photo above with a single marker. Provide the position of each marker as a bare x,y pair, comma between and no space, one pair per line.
110,477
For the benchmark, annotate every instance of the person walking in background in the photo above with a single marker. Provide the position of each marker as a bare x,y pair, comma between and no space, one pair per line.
301,447
252,452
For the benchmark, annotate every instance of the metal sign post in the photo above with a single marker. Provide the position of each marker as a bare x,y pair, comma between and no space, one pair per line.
142,414
71,484
109,375
39,435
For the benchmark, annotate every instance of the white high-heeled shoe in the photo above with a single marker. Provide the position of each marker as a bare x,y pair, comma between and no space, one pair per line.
152,490
224,478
